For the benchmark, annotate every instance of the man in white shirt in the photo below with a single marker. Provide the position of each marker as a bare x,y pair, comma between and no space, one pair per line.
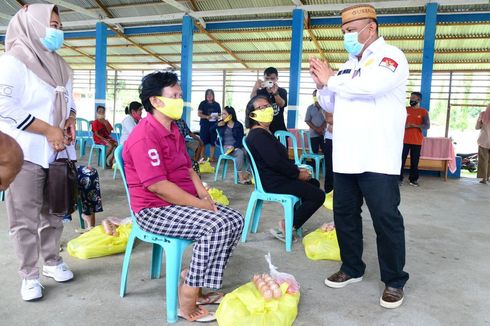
367,97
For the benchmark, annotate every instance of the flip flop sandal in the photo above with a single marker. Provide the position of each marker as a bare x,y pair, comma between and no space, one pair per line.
281,236
211,298
205,317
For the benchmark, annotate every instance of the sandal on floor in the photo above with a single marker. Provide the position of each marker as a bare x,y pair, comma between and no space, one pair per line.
204,317
279,235
210,298
245,182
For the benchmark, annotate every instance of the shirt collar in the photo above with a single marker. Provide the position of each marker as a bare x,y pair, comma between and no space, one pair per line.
373,47
164,132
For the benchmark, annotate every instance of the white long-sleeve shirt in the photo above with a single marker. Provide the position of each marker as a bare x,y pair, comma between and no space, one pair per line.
23,98
367,98
128,125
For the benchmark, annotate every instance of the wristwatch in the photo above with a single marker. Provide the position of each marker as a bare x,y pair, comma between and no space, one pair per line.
275,94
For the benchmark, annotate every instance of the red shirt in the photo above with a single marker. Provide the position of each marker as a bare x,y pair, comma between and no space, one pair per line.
104,130
414,136
151,154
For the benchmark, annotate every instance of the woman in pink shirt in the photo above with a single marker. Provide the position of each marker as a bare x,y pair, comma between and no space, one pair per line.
168,197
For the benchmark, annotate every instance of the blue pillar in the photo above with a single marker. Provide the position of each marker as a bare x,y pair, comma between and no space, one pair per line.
295,67
428,54
100,64
186,66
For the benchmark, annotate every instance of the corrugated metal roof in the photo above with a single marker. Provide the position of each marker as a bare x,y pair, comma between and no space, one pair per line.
458,45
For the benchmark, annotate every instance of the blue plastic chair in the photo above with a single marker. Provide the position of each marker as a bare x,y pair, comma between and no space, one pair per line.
2,195
174,250
223,157
118,131
283,137
307,154
83,134
257,199
102,153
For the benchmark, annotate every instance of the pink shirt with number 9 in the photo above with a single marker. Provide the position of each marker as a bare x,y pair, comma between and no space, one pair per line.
152,154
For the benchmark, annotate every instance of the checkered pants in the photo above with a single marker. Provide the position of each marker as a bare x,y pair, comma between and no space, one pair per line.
215,235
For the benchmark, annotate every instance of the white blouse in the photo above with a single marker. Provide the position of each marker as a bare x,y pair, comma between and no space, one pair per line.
23,98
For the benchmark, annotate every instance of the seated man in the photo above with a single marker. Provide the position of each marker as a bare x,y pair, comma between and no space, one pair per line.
168,198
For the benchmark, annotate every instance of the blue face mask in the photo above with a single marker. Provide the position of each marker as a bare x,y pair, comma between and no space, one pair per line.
352,44
53,40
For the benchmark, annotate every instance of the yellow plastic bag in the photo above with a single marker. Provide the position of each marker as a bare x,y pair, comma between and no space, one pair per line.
96,243
206,167
322,245
328,203
218,196
246,307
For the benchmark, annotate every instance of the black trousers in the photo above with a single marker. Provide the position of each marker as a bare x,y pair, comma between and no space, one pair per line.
327,154
414,161
382,195
312,197
316,144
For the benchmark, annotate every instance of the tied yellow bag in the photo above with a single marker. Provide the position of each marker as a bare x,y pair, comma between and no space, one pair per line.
322,245
218,196
206,167
96,243
328,203
247,307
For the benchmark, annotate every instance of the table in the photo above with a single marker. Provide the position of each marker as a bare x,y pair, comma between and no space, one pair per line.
437,154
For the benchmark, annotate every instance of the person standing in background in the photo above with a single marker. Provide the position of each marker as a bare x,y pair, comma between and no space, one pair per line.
278,96
483,124
316,121
209,111
417,121
37,110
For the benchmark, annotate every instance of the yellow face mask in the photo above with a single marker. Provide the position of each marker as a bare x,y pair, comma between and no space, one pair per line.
264,115
228,118
315,99
174,107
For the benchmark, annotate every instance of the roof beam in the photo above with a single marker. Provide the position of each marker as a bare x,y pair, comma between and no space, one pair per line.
185,9
118,29
313,37
486,61
338,52
5,16
202,27
78,9
83,54
141,47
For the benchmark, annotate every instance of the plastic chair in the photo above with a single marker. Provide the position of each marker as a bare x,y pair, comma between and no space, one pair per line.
174,250
307,153
223,157
283,137
102,152
118,131
256,201
83,134
2,195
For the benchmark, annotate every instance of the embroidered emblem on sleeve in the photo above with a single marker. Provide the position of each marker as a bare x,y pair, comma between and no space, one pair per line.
389,63
6,90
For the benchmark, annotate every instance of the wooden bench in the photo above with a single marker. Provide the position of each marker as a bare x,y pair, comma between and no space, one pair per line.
431,165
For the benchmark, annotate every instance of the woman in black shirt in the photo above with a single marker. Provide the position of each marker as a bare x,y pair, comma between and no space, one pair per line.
277,173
